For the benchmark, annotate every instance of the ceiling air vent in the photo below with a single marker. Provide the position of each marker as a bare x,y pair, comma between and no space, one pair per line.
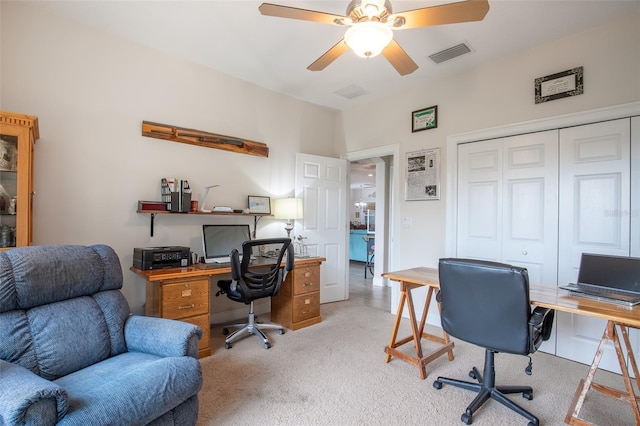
450,53
352,91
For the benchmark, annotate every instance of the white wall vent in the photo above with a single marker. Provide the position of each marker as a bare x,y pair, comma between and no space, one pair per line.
450,53
352,91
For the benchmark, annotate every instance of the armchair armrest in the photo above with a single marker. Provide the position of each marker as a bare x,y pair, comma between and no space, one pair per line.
161,336
26,398
540,325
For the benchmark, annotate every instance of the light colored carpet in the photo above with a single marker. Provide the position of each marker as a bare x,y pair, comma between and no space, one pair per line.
334,373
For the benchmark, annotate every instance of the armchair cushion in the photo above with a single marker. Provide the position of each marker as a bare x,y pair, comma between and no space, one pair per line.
144,387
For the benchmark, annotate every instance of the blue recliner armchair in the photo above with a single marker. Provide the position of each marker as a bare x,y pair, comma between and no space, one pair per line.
72,354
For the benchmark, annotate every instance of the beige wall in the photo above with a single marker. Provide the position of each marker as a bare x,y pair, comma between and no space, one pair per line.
495,94
91,92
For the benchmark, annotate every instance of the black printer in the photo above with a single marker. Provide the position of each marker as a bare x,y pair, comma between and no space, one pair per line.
146,258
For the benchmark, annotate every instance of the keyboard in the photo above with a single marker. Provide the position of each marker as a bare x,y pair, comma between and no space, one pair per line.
604,294
225,259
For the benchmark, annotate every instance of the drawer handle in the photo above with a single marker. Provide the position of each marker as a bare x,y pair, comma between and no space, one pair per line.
307,274
307,284
187,306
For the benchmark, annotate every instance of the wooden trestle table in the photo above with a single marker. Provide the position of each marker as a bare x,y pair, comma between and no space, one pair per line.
618,318
410,279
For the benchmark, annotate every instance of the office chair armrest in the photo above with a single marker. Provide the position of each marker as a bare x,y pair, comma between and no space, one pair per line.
540,325
236,271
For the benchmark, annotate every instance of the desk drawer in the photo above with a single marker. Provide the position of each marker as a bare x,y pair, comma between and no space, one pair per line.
201,321
306,306
306,279
185,299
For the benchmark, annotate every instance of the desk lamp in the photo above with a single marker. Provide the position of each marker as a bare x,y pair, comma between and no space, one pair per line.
289,209
204,198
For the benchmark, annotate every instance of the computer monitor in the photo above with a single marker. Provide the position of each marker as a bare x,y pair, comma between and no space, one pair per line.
618,272
219,240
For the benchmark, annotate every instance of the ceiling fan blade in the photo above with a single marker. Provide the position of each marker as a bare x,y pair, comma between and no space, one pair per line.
329,56
269,9
399,58
464,11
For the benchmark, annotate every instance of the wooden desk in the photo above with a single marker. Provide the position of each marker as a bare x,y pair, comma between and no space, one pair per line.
183,294
410,279
618,318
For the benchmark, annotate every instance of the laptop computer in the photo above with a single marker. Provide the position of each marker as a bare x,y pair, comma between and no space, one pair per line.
614,279
219,240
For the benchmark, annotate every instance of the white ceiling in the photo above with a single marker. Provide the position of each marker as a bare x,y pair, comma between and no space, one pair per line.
234,38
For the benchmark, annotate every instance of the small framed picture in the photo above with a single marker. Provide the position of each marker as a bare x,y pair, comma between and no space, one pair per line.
560,85
259,204
423,119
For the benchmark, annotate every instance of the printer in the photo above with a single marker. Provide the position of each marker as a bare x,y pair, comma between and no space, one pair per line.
146,258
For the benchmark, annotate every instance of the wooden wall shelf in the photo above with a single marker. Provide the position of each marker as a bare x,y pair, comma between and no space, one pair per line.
153,213
206,139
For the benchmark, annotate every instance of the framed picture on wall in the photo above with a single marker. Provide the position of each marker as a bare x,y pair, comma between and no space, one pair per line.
560,85
424,119
259,204
422,177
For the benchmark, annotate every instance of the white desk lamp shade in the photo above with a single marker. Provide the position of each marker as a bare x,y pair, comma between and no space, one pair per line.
288,209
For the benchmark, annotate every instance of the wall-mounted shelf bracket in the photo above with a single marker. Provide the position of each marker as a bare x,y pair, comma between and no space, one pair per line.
153,218
206,139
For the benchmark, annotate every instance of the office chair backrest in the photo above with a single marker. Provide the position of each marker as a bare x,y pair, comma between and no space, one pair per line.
486,303
261,282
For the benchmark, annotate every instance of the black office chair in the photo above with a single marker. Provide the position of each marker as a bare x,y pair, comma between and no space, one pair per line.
487,304
248,285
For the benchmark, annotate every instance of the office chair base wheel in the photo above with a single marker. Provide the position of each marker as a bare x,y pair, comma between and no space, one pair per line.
225,331
228,345
437,384
281,331
267,345
466,419
527,395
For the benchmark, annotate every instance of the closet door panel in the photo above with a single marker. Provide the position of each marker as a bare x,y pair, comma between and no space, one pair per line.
635,187
634,334
479,200
530,205
507,204
594,196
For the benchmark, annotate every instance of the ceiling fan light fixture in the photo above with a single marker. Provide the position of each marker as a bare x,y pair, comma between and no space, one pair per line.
368,38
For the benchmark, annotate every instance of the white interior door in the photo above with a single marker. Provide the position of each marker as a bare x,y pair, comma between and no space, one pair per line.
322,184
594,206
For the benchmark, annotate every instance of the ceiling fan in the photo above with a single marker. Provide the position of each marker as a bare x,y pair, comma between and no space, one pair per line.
370,24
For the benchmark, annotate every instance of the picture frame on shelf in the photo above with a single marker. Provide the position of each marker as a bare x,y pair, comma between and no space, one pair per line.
424,119
258,204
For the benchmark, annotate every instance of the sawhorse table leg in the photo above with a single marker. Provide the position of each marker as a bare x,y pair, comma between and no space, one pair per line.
417,333
609,335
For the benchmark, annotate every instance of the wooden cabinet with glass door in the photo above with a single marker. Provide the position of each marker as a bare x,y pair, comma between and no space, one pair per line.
18,133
